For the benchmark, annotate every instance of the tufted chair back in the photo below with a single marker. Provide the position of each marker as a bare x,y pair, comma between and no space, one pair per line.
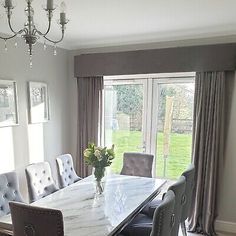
179,190
35,221
39,180
137,164
9,191
163,219
67,174
189,176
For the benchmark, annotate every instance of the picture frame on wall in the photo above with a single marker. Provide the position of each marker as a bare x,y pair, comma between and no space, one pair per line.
8,103
38,102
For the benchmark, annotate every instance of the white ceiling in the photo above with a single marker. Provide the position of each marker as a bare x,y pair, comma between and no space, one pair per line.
96,23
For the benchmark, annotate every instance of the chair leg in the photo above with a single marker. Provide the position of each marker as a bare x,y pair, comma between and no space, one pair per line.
183,227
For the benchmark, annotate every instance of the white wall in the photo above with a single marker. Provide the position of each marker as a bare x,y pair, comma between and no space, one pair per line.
26,143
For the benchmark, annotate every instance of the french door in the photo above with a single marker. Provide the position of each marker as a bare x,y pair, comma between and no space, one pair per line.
151,115
124,104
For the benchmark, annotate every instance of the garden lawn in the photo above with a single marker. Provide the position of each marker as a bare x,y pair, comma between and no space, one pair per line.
178,160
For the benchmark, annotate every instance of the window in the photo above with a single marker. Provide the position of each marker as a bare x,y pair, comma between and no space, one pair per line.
152,115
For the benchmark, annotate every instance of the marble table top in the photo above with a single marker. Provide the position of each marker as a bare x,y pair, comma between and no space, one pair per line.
85,213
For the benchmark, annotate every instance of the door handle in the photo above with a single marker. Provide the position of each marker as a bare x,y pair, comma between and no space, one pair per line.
142,147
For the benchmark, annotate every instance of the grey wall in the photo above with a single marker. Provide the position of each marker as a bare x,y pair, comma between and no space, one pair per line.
27,143
73,108
227,189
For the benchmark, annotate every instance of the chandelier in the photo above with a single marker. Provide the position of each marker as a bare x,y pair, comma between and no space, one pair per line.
30,33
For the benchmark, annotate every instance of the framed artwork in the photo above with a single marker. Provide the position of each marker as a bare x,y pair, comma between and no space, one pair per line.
8,103
38,102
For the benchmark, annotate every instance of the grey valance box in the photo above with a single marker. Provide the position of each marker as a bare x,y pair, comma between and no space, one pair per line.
220,57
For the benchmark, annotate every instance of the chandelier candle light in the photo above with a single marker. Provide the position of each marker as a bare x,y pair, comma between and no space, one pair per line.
30,33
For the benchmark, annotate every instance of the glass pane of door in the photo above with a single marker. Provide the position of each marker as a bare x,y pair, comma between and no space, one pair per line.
174,131
123,118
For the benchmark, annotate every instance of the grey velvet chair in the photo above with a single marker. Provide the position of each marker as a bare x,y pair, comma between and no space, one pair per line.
179,190
189,175
161,224
9,191
35,221
66,172
39,180
137,164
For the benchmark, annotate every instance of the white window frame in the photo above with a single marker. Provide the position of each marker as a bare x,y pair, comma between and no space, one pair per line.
150,83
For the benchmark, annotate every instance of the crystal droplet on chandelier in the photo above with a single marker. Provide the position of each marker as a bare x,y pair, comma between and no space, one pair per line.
16,44
5,47
55,50
31,62
44,46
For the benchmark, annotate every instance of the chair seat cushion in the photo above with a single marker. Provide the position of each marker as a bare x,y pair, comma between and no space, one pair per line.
141,225
150,208
161,224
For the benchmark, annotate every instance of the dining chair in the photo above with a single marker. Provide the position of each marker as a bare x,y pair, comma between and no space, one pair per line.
9,191
36,221
66,171
39,180
161,224
189,175
179,190
137,164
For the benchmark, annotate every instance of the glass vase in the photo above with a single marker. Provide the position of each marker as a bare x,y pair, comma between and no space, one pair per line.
99,174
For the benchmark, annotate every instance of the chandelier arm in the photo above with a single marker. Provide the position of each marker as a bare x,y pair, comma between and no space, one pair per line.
44,34
58,41
9,13
10,26
15,34
9,23
50,14
6,38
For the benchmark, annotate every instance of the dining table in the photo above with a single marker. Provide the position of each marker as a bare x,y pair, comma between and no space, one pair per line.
87,213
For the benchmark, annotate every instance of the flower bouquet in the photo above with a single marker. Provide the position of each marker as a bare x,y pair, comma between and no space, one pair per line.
99,158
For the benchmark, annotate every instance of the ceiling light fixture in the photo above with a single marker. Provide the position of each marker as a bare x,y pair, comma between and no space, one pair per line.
30,33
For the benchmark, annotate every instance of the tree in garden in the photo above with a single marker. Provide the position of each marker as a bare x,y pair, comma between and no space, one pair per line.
129,98
130,102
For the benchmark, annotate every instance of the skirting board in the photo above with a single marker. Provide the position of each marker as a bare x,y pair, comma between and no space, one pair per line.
225,227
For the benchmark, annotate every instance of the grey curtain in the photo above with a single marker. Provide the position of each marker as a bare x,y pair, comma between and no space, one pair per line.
208,134
90,96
